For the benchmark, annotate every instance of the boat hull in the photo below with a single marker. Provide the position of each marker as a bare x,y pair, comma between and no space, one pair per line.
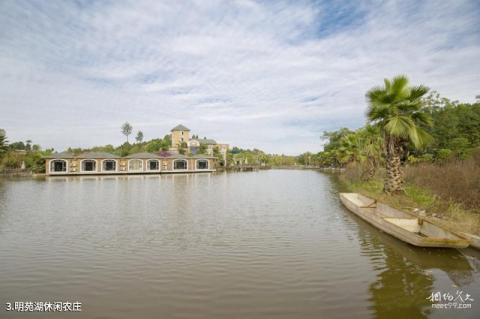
401,225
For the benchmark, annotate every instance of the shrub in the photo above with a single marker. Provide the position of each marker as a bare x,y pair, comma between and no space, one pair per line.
456,180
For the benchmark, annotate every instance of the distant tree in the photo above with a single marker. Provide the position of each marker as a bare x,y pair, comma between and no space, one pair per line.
183,148
139,137
398,110
235,150
3,142
125,149
202,149
166,142
127,129
28,145
154,146
17,146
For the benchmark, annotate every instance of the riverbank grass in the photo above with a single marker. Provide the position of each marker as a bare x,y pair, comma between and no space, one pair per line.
445,213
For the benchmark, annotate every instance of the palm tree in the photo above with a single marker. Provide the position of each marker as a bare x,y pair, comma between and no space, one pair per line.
348,151
370,148
397,109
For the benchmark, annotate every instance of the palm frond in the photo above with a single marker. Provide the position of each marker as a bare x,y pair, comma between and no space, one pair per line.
423,137
375,94
422,118
388,84
399,87
399,126
407,106
378,111
417,92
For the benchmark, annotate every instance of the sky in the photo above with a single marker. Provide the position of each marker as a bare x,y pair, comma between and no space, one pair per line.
271,75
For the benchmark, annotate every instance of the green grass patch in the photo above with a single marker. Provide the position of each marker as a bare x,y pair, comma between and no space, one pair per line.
420,196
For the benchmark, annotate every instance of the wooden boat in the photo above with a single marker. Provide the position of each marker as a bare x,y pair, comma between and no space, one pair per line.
404,226
473,239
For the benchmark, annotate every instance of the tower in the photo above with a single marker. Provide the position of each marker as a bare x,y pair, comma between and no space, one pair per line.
180,134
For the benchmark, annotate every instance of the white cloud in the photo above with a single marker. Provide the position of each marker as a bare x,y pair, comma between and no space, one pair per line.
253,74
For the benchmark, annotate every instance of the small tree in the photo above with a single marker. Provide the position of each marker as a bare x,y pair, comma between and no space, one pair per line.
127,129
139,137
28,145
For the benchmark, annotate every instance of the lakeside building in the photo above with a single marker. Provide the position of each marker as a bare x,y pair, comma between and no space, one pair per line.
99,163
181,139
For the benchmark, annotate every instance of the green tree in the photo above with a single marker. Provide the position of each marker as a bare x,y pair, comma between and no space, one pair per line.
460,145
3,143
202,149
139,137
182,149
28,145
154,146
127,129
370,149
397,109
17,146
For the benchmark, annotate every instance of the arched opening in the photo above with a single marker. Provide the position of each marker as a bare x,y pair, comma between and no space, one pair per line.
109,166
202,164
89,165
180,164
135,165
58,166
153,165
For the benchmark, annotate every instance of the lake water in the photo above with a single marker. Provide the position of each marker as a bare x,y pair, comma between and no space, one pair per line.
268,244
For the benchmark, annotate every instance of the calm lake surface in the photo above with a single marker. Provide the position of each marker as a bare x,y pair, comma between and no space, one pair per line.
269,244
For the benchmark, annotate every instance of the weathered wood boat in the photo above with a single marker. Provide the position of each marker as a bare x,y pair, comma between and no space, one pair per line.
473,239
402,225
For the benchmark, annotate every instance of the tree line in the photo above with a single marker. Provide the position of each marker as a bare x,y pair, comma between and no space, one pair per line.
404,125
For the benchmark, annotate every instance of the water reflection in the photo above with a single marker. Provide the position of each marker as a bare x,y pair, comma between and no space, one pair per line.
404,279
269,244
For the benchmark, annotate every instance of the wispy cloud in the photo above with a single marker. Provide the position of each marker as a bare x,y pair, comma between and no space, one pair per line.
271,75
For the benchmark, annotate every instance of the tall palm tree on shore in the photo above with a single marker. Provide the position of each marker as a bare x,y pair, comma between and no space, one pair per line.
397,109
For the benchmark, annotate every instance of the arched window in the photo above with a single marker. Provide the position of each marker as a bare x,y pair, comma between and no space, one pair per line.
202,164
153,165
180,164
109,166
135,165
58,166
89,165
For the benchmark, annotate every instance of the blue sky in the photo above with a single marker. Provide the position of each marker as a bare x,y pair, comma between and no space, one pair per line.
267,74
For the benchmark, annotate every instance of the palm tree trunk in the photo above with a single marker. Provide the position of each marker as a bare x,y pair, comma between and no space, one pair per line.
369,169
372,169
394,176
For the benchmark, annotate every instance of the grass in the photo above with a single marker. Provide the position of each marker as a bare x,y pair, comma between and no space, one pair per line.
441,210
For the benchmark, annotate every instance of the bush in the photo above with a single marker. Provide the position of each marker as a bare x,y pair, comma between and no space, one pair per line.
443,154
456,180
